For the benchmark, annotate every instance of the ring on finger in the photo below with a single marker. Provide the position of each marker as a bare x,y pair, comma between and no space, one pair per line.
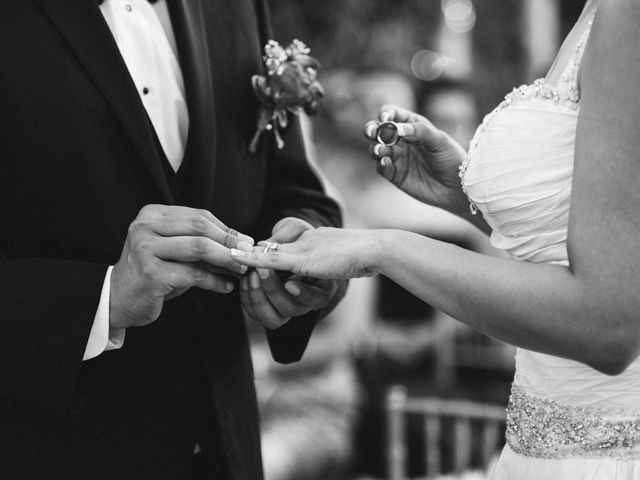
271,247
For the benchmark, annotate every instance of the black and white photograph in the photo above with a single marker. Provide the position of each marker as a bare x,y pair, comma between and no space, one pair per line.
319,240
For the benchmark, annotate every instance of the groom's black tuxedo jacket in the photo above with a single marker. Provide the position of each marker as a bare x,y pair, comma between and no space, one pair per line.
78,159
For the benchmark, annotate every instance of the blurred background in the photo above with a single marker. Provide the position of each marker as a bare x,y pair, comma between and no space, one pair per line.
391,388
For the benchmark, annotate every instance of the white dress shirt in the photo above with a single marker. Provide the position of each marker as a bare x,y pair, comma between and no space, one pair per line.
147,44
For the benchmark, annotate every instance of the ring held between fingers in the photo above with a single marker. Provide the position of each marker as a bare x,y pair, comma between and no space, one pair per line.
385,114
194,249
370,129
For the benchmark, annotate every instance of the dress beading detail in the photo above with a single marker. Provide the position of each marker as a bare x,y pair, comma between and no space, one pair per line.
542,428
567,92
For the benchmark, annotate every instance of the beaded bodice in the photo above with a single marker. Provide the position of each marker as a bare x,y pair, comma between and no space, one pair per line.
518,174
566,93
519,167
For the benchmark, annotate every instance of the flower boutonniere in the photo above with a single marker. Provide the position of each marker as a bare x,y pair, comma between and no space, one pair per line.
289,86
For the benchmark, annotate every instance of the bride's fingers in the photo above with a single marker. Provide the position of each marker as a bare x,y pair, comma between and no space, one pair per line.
371,130
398,114
275,260
421,132
387,168
387,113
377,151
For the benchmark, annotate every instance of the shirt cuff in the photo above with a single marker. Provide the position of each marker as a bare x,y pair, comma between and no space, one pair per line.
100,338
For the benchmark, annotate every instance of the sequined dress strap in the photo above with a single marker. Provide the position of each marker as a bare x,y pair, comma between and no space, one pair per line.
568,83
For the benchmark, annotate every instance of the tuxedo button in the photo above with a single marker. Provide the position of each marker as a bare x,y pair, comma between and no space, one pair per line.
128,8
145,90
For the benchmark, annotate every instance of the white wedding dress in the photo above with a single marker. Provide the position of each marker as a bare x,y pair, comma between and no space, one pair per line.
565,421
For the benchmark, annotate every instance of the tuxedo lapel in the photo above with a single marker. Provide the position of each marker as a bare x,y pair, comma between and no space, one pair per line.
198,168
88,35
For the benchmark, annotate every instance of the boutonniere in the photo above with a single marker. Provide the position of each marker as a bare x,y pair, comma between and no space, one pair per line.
290,86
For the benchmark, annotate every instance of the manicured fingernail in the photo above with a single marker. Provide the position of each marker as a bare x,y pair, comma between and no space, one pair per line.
385,161
405,129
371,130
228,286
237,253
377,148
246,238
244,246
292,288
255,281
243,269
263,272
385,116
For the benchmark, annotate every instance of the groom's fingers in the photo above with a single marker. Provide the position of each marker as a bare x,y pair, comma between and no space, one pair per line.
284,302
177,210
245,301
260,303
197,226
288,230
314,293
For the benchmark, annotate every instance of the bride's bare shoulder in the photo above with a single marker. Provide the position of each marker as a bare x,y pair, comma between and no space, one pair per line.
612,13
615,37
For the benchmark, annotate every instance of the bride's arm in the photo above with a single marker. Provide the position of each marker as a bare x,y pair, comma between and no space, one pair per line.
589,312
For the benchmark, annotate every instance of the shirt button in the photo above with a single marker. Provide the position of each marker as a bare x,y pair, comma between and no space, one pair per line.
145,90
128,8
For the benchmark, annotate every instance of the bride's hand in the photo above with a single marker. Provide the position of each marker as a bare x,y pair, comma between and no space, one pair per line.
321,253
424,162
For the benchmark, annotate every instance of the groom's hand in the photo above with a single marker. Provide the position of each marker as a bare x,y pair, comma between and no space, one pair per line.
272,300
168,250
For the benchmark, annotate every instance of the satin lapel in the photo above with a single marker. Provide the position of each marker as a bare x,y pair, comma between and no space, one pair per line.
198,168
88,35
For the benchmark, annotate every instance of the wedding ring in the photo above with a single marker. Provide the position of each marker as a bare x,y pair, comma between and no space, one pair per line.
387,133
271,247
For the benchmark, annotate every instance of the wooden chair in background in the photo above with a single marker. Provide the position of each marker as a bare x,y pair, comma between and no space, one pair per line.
476,430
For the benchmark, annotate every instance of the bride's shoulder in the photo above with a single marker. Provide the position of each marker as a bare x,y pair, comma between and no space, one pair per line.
612,13
610,68
615,29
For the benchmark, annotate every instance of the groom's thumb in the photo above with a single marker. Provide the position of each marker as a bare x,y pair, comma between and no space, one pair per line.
289,229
